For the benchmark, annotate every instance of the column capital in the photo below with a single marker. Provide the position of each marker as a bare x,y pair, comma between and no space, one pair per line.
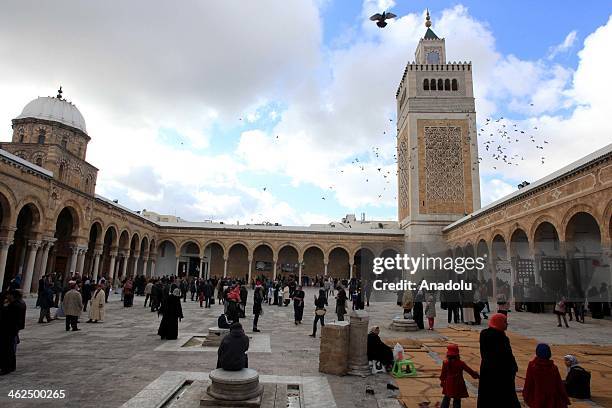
5,243
113,253
35,244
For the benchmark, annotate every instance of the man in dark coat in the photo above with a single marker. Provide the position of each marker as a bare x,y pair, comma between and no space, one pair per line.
231,355
45,301
498,367
244,294
12,319
209,292
258,296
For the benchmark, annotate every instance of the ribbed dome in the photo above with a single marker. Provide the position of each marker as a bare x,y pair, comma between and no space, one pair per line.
58,110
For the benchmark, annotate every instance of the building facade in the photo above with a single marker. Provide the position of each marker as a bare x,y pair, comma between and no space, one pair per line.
554,234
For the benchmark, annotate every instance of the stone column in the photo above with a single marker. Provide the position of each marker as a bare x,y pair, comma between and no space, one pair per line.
41,268
274,270
73,261
493,271
300,261
4,247
29,272
325,270
111,266
81,261
358,343
176,269
135,271
124,263
96,265
250,270
351,263
152,267
201,268
225,267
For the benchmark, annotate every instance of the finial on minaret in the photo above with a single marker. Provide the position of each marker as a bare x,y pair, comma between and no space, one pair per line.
59,93
427,20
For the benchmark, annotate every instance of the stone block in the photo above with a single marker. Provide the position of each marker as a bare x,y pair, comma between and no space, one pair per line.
334,349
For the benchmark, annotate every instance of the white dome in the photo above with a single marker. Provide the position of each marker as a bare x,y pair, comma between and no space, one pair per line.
58,110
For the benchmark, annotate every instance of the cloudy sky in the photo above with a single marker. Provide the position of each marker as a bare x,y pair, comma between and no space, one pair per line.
255,111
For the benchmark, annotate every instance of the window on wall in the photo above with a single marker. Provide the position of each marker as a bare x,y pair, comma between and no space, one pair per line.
432,84
454,85
440,85
64,143
61,172
21,138
447,85
426,84
39,162
41,139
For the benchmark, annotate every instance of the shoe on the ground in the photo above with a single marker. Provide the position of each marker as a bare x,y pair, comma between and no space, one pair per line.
89,321
256,330
559,325
312,335
76,329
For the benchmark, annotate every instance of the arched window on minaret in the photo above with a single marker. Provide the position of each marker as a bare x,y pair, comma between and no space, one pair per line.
432,84
39,162
454,87
447,86
440,85
61,172
426,84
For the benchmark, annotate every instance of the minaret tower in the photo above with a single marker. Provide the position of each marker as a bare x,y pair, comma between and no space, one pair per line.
437,148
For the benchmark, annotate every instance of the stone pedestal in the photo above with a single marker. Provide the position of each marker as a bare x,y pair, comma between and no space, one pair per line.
214,337
334,349
358,343
233,389
401,324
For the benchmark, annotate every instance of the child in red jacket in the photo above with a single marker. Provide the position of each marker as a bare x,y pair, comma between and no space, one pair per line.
451,378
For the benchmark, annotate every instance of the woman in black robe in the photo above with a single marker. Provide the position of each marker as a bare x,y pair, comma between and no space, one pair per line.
497,367
377,350
172,312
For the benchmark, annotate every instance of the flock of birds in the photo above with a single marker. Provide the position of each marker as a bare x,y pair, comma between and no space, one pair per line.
499,137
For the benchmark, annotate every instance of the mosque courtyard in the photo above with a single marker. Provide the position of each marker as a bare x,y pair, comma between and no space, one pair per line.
122,362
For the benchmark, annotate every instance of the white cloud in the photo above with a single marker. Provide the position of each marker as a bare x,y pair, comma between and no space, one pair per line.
567,44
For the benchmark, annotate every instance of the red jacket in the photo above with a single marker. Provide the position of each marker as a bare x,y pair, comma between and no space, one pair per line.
451,378
543,386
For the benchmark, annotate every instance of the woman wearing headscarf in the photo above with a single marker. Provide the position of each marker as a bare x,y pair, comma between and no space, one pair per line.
497,367
578,380
320,303
341,303
172,312
543,386
377,350
298,304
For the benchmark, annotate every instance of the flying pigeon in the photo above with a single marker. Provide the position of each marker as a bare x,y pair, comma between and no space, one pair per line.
380,18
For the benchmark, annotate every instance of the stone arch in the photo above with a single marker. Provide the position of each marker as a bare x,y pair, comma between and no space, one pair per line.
115,231
37,212
339,262
169,239
368,247
288,258
363,264
538,221
607,222
349,252
239,242
290,244
76,212
215,241
314,261
315,245
499,233
190,241
124,240
238,255
7,207
263,260
562,230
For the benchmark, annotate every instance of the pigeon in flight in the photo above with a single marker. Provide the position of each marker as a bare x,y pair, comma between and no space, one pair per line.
380,18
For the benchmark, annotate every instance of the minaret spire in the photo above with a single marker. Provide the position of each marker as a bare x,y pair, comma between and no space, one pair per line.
59,93
427,20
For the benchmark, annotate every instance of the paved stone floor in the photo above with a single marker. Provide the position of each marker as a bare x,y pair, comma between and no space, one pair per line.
110,363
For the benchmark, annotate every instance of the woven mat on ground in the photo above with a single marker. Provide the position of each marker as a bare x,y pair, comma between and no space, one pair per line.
407,343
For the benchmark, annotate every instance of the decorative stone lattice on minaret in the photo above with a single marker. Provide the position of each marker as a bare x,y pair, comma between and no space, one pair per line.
437,147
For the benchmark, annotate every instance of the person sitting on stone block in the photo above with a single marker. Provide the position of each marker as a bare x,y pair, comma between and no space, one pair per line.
378,350
232,351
